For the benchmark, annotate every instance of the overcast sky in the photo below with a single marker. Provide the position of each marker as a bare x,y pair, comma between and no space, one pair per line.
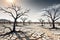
40,4
36,6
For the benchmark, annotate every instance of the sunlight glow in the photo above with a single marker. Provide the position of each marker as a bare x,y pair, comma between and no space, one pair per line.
10,1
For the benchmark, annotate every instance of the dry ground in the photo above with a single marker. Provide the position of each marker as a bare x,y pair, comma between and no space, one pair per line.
49,34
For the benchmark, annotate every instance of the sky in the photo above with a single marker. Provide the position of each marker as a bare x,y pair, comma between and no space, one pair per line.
36,7
40,4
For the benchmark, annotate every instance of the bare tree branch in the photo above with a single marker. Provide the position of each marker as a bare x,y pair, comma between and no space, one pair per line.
53,14
17,11
5,11
57,18
49,13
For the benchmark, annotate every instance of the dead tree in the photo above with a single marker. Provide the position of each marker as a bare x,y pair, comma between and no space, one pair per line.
18,14
41,22
23,20
29,22
53,14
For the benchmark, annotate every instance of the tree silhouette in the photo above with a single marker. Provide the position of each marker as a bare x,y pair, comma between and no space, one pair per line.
23,20
29,22
42,22
53,14
18,14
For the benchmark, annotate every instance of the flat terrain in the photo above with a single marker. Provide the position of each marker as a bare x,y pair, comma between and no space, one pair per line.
37,30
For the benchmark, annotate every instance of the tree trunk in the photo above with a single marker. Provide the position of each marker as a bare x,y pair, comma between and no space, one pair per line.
14,25
42,24
53,23
23,22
